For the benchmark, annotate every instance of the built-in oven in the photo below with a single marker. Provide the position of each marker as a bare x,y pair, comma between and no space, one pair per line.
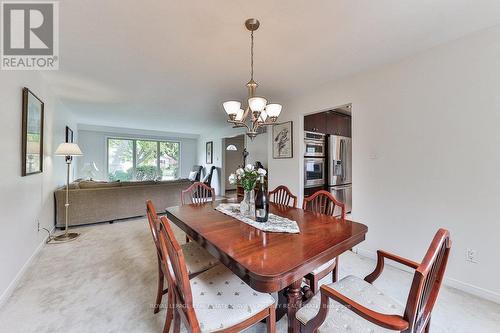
314,171
314,144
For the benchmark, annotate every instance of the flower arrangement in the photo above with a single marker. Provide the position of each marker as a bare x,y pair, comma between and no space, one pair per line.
246,177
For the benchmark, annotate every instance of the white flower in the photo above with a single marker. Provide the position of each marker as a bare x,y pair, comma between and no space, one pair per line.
232,179
249,167
262,172
240,172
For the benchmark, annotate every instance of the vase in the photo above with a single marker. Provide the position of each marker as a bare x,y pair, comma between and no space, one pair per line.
247,205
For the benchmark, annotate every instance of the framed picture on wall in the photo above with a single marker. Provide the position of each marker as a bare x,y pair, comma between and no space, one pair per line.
32,134
283,140
210,152
69,135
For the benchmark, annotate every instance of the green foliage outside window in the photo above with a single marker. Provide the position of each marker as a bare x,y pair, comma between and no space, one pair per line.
154,160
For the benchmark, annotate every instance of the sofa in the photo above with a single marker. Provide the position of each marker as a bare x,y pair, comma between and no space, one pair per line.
93,201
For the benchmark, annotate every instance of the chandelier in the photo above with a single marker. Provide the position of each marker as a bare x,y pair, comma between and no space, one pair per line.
257,113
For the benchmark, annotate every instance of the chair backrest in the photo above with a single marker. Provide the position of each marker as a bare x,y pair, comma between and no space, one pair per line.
281,195
174,265
323,202
154,223
427,282
197,169
208,178
197,193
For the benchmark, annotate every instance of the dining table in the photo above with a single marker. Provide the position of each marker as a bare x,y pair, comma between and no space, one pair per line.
270,262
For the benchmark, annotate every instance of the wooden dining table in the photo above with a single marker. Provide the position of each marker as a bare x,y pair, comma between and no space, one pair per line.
268,261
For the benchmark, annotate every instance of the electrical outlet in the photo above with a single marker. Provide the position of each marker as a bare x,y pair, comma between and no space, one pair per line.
471,256
38,225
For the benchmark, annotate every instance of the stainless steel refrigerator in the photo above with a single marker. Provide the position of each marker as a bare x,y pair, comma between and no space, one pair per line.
340,170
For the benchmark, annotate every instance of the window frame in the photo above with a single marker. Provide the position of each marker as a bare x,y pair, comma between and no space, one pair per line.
134,152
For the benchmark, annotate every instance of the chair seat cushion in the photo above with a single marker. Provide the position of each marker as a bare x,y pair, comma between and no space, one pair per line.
323,267
197,258
340,318
221,299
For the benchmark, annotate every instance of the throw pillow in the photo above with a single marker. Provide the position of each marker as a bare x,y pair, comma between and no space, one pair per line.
192,176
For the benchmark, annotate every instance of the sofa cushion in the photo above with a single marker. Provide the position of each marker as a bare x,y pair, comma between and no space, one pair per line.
73,186
100,204
139,183
95,184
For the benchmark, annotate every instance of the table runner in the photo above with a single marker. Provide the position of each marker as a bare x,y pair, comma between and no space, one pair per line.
274,223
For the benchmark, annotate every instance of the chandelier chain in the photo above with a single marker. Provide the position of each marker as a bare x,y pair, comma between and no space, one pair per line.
251,56
257,113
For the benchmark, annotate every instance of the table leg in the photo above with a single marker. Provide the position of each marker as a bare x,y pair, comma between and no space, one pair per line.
282,307
294,296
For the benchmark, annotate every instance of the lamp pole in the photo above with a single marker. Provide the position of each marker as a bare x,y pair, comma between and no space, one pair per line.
68,150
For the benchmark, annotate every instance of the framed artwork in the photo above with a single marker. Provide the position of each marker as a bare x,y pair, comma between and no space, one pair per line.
69,135
283,140
210,152
32,134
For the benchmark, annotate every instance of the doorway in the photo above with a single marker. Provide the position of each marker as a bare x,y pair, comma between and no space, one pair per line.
233,149
328,153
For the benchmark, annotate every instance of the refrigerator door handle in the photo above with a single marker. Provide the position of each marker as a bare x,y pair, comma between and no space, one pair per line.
342,160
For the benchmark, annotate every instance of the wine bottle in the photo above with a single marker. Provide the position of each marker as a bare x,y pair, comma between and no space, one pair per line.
261,202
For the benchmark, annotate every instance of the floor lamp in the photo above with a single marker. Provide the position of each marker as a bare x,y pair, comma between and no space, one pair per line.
68,150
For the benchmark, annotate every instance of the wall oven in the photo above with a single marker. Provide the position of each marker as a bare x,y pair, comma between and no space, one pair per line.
314,144
314,172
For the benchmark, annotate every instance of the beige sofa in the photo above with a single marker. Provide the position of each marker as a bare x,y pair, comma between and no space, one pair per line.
92,202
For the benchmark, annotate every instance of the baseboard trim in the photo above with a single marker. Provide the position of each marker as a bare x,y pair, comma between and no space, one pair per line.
12,286
473,290
449,282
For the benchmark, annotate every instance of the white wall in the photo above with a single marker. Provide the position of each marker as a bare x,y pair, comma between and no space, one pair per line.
426,154
26,200
92,140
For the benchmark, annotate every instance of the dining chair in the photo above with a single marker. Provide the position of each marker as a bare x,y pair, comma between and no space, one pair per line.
208,178
322,202
197,259
197,173
356,305
216,300
197,193
281,195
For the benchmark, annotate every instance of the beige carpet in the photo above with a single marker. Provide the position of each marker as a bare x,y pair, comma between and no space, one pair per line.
106,281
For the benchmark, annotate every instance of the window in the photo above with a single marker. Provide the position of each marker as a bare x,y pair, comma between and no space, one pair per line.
131,159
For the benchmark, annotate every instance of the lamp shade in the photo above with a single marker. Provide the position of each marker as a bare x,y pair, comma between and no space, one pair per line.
273,110
231,107
239,115
263,116
257,104
68,149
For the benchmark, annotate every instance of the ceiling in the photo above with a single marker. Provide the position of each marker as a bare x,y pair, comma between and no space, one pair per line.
168,65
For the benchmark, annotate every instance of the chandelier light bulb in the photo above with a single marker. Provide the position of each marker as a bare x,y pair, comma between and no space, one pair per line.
231,107
257,104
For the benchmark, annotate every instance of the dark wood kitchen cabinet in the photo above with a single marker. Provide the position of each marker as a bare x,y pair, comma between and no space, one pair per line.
315,122
338,124
328,122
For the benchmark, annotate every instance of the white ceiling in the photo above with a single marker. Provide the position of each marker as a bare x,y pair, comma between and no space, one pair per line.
168,65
